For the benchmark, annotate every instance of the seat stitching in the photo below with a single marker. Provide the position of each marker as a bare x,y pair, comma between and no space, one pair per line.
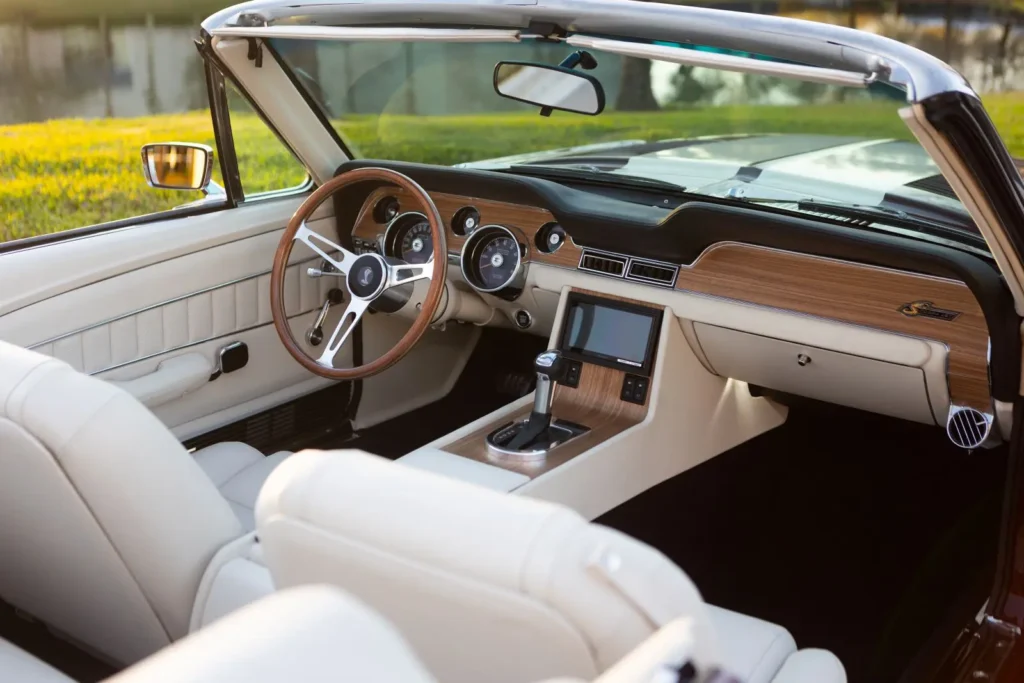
768,649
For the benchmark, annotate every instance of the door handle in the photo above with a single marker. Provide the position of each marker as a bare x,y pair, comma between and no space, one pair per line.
172,379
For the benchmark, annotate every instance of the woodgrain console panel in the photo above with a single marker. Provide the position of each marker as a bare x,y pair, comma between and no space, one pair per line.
595,403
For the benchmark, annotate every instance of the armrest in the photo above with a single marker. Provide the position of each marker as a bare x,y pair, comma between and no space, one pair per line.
172,379
313,634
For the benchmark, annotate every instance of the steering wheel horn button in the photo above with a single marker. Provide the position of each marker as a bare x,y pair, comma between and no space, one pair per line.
367,276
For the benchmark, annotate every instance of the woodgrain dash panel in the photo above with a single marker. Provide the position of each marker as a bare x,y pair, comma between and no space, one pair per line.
594,403
853,293
528,220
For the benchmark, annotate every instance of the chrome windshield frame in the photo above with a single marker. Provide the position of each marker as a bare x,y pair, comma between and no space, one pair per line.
794,40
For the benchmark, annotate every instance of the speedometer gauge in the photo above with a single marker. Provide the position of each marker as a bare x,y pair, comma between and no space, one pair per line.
417,245
491,262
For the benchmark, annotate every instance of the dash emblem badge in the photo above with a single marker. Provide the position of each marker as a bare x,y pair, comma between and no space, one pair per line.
926,309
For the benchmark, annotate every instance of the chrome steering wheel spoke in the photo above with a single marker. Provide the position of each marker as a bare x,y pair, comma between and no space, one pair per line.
349,319
405,273
342,259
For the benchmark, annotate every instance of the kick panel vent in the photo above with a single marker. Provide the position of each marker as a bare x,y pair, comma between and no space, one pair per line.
605,264
655,273
968,428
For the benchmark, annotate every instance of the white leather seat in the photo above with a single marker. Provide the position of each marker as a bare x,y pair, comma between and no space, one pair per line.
488,586
238,471
18,666
313,634
107,525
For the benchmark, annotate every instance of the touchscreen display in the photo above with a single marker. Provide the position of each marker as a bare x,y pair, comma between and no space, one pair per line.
612,333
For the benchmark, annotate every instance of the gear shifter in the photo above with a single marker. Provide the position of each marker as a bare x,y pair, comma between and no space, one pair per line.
551,369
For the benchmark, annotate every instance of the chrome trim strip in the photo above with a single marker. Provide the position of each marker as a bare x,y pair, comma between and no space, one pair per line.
168,302
727,62
369,33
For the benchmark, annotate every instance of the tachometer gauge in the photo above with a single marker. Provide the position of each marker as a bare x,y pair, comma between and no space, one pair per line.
491,262
408,237
497,262
417,244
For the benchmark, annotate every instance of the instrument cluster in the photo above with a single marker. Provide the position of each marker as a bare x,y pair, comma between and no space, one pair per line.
491,258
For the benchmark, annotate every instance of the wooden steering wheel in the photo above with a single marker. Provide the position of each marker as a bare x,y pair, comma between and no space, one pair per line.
367,276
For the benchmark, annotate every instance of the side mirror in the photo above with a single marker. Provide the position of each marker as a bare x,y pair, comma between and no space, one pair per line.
551,87
178,166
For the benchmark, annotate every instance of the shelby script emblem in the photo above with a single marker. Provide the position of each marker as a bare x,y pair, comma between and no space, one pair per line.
926,309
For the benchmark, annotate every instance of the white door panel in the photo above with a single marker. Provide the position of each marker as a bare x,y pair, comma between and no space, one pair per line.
32,275
118,304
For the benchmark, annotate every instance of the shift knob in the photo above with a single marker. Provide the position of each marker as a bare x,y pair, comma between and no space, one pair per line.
551,369
551,365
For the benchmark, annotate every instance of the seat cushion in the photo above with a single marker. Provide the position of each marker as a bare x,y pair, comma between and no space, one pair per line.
238,471
752,649
18,665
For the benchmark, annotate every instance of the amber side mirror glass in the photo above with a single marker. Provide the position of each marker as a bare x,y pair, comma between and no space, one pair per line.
177,165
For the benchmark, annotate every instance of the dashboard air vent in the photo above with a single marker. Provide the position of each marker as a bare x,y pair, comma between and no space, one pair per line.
968,428
605,264
656,273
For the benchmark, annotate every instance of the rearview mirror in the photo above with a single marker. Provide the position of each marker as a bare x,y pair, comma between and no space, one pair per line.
178,165
551,87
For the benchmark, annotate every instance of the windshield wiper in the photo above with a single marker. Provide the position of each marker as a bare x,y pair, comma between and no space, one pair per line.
874,214
593,173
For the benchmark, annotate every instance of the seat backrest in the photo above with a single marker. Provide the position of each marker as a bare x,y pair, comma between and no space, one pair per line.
484,585
313,634
106,522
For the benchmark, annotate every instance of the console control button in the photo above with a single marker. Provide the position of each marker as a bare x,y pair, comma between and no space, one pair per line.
523,319
572,374
634,389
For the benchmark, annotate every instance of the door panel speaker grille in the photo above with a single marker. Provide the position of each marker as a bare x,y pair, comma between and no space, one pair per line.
968,428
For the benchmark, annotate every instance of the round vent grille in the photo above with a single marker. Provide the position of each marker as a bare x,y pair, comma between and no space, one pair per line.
967,427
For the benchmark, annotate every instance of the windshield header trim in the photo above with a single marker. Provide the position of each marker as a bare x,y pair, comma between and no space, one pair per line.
370,33
678,55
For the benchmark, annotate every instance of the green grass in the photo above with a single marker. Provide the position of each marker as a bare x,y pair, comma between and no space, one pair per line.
66,174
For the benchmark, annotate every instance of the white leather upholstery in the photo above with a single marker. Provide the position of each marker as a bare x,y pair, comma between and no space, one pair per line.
238,471
752,649
106,524
484,585
454,466
488,586
18,666
313,634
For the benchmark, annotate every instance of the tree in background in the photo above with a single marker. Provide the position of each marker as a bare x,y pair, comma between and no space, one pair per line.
635,93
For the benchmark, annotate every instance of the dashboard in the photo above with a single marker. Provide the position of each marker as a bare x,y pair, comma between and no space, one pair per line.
500,228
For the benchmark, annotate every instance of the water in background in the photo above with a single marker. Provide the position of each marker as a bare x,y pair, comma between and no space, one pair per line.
99,69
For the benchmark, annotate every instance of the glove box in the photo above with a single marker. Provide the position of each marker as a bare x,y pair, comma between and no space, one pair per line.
855,381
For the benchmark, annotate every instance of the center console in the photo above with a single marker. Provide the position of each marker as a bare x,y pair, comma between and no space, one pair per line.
595,331
594,384
622,403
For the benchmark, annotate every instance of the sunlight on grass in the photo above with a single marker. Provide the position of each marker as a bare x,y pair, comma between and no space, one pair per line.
71,173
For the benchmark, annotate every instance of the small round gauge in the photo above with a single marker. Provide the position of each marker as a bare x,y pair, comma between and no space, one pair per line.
492,262
409,238
417,244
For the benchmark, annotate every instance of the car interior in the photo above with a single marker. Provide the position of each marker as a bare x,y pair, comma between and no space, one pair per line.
529,421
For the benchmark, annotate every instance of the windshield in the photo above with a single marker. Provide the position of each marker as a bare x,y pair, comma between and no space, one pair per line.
754,138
